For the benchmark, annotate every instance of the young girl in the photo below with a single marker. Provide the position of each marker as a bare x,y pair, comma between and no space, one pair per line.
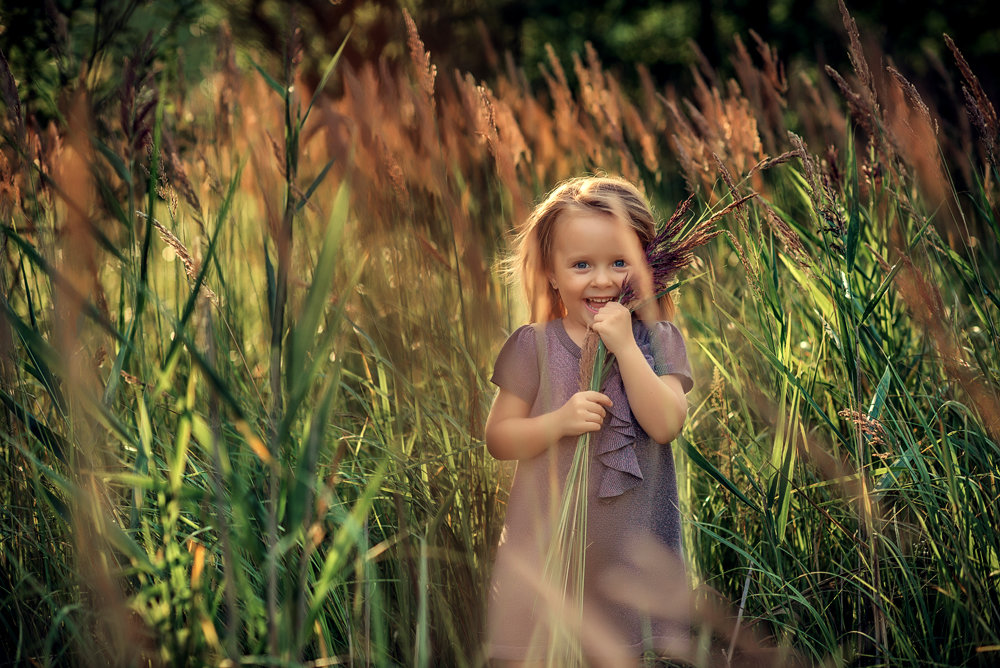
574,253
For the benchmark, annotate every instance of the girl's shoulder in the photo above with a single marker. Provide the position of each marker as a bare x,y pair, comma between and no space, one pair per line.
659,330
522,346
525,336
516,368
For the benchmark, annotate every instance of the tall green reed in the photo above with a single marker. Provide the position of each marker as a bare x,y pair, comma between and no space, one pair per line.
839,470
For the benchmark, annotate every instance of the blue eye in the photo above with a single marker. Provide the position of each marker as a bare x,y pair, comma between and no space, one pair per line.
580,265
619,264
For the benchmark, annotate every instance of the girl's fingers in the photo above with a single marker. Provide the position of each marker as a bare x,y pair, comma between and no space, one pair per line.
585,411
597,415
597,397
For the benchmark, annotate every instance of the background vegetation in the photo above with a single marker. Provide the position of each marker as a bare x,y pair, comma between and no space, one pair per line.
248,311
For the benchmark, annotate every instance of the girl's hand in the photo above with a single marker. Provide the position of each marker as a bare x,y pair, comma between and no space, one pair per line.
583,412
613,323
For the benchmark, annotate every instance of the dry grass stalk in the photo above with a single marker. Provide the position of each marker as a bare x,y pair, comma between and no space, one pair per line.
820,190
742,215
706,232
857,56
863,105
768,163
138,98
10,190
12,100
926,305
172,171
764,88
871,429
912,96
774,69
913,135
689,149
228,83
592,85
652,110
704,67
588,353
112,627
75,235
391,167
564,108
426,71
753,276
978,105
737,205
820,109
672,249
788,237
505,161
647,143
860,110
714,124
191,266
617,103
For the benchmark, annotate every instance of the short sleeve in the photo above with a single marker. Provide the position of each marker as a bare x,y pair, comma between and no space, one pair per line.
665,344
516,368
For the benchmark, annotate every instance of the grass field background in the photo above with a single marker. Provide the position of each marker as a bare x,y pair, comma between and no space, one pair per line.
246,329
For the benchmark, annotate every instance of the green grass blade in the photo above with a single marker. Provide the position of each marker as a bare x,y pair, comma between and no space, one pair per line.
710,468
275,86
304,333
330,66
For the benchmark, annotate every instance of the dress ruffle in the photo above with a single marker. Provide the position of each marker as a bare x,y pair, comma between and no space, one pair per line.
616,441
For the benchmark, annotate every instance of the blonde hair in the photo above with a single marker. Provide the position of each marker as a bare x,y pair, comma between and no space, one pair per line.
531,260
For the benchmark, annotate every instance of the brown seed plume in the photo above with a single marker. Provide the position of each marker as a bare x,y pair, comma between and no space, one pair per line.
588,353
426,71
978,105
927,306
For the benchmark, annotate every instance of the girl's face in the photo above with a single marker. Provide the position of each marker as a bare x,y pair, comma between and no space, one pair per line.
592,255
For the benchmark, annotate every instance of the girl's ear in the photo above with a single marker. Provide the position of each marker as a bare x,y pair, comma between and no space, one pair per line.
551,278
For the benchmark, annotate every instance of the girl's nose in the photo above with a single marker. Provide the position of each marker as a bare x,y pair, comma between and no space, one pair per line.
602,278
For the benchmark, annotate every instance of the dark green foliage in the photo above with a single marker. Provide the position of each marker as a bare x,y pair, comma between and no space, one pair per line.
246,328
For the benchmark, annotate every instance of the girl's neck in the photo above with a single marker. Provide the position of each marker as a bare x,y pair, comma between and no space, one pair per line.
576,334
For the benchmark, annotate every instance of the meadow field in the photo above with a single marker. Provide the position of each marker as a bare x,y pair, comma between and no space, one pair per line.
247,325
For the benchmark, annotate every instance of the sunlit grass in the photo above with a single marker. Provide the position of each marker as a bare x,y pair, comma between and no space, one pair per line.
183,486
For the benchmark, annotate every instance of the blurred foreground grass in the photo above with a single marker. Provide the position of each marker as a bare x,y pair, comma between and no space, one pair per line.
246,330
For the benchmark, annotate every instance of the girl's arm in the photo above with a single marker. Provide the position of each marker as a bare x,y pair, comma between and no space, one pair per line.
657,402
512,434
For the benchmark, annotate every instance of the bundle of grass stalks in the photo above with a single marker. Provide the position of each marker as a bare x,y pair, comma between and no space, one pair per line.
245,328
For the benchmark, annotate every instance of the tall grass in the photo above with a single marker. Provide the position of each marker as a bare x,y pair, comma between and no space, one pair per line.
246,333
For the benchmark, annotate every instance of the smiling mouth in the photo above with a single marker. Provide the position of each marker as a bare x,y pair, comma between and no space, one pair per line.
595,304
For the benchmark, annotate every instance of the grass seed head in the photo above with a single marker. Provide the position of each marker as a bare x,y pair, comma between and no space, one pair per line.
426,71
981,111
12,100
588,353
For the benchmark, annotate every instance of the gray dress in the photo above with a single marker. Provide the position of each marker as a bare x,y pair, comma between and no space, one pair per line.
632,493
